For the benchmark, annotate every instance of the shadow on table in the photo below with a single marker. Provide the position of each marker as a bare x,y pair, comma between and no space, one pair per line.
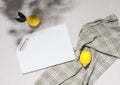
48,10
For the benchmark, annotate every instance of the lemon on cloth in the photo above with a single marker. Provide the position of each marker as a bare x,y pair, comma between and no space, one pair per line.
85,58
33,20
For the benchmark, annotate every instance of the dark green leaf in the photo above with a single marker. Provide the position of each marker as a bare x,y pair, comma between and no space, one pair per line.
20,19
21,15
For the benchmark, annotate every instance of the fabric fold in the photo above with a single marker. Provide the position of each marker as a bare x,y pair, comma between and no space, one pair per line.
107,32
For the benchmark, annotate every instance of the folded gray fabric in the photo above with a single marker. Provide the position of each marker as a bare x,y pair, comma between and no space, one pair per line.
102,39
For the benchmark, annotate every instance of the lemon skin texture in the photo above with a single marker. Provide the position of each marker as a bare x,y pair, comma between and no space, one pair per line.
33,20
85,58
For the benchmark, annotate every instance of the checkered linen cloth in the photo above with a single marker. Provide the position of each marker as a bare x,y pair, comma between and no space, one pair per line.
102,39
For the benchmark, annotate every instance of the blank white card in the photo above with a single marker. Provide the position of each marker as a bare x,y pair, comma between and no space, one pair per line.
45,48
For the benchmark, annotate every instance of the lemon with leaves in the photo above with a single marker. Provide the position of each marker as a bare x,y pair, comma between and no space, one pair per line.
85,58
32,20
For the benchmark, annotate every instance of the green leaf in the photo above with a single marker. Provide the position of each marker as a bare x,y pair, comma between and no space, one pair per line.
21,15
20,19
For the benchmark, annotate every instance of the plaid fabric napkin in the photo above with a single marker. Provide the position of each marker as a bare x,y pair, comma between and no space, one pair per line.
102,39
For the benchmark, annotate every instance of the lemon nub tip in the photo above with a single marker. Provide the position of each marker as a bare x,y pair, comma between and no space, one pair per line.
84,65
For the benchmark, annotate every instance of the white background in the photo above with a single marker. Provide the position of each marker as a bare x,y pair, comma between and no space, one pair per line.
89,10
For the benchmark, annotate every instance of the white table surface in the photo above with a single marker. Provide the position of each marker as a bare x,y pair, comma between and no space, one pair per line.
88,10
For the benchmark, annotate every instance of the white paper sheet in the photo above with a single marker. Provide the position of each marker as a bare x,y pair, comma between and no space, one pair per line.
45,48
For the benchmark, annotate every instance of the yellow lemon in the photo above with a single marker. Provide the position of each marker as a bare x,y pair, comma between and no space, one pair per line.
85,58
33,20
